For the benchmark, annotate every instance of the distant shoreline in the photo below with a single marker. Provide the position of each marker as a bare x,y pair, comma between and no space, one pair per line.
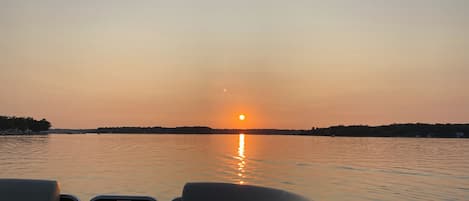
417,130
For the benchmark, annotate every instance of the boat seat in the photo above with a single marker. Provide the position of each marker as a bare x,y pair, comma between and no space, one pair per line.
234,192
29,190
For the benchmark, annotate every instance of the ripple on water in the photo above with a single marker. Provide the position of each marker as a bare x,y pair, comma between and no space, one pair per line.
318,167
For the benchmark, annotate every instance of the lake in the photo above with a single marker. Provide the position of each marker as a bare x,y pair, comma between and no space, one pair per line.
321,168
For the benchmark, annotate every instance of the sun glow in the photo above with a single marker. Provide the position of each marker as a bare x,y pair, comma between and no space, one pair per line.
242,117
241,146
241,157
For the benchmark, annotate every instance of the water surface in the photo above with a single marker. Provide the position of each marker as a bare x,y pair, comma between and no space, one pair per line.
321,168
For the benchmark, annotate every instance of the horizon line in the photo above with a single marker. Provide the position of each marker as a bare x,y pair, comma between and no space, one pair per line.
311,128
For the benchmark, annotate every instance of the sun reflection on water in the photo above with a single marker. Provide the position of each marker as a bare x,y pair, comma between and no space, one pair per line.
241,157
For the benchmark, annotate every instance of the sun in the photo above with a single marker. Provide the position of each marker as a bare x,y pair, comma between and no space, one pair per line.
242,117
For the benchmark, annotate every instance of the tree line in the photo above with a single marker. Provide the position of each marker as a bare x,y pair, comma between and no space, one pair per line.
393,130
23,124
193,130
396,130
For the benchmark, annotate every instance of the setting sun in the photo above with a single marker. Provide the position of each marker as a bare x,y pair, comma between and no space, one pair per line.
242,117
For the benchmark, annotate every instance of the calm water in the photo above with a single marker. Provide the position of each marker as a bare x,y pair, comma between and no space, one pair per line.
322,168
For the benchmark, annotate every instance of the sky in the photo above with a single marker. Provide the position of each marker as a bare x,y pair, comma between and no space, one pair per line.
283,63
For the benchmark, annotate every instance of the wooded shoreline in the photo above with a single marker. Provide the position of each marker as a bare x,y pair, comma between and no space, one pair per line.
393,130
30,126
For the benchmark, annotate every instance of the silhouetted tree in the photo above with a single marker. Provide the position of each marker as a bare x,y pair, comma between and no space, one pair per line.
396,130
23,124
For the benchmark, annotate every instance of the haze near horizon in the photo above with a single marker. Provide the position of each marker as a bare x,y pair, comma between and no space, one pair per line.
284,64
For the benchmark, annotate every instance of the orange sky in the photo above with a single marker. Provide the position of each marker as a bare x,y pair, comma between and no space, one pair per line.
285,64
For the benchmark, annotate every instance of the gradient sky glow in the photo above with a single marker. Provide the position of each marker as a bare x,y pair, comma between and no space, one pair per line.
285,64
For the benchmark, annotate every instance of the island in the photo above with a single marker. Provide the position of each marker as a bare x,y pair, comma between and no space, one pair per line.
23,125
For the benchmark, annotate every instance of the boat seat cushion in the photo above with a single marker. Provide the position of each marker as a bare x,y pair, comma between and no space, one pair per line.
234,192
29,190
